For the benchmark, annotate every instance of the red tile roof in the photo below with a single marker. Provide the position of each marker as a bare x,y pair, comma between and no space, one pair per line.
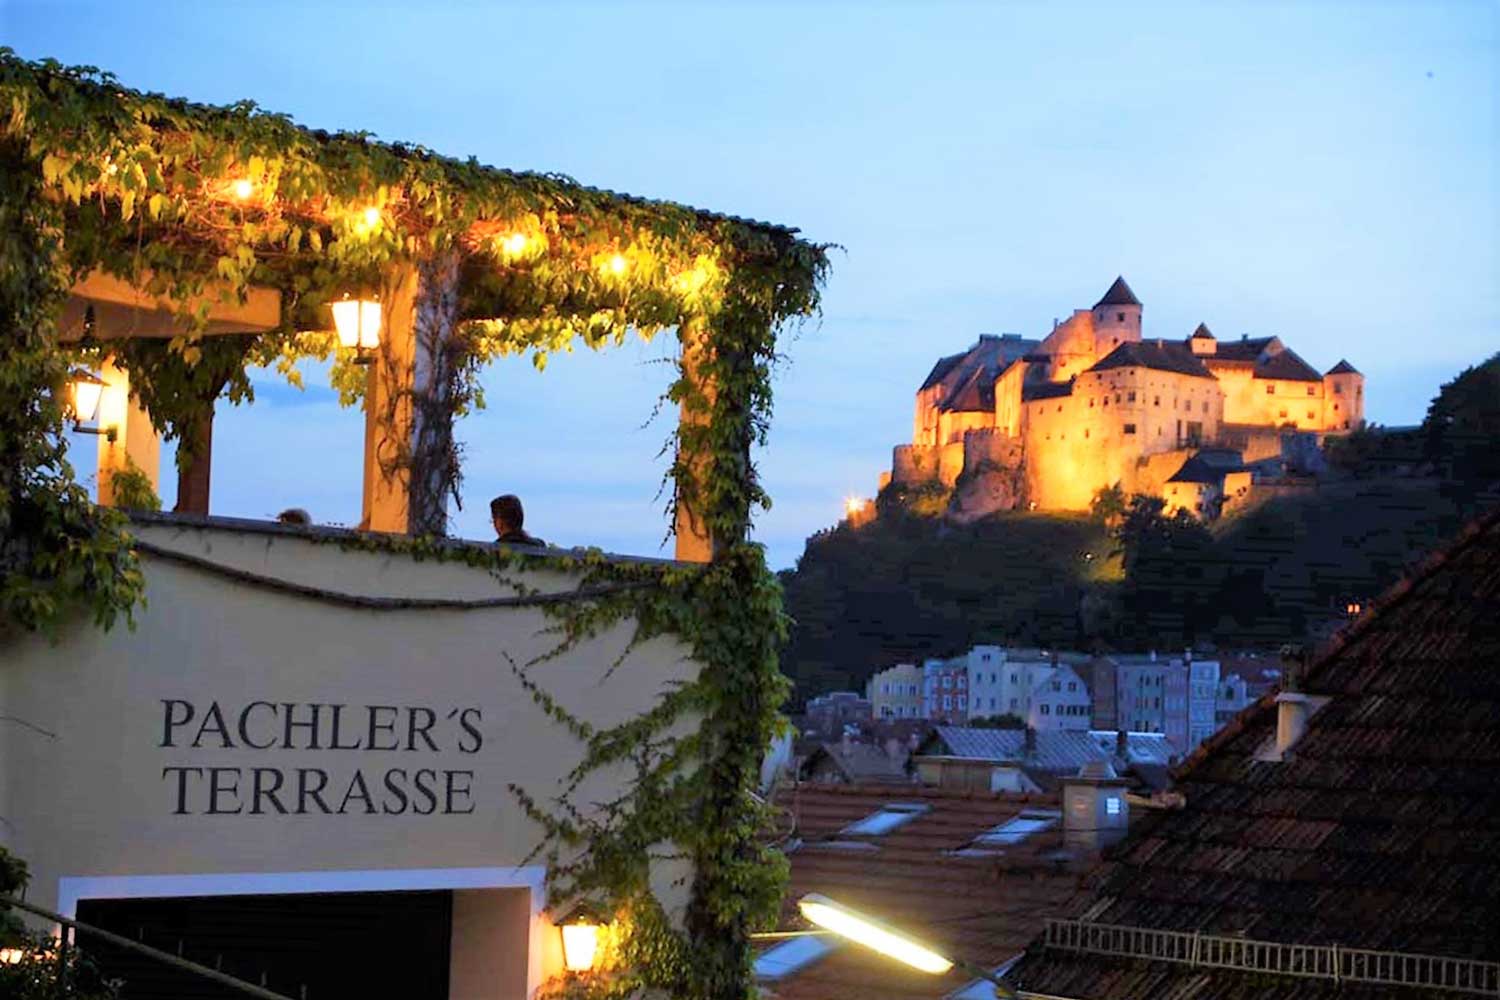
1380,830
984,909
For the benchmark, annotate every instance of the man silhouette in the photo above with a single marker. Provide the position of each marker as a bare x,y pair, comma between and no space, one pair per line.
508,516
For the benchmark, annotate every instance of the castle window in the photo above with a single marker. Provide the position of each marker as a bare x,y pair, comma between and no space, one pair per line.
1309,414
1130,396
1283,414
1359,393
1086,430
1130,428
1157,402
1312,391
1338,390
1121,317
1205,406
1117,397
1106,400
1091,404
1335,407
1270,390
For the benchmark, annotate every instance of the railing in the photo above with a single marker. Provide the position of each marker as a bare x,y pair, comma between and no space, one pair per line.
1314,961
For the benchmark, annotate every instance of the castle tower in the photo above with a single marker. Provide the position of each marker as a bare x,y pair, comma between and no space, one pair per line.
1343,398
1203,342
1117,318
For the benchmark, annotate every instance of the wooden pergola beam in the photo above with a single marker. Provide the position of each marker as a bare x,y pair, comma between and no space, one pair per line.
121,309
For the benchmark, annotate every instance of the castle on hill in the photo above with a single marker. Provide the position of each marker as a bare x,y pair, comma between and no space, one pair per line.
1047,423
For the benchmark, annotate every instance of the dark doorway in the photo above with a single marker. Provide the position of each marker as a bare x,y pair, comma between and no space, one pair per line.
327,946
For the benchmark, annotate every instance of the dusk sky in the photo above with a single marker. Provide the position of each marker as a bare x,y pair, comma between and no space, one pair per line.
1324,172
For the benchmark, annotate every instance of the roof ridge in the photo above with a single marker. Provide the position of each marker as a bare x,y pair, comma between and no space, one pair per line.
1392,597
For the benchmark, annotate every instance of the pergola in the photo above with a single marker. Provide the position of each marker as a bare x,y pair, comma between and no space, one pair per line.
175,246
187,224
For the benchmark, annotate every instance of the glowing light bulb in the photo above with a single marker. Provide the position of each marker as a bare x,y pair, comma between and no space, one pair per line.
618,263
871,933
242,189
853,505
515,243
372,217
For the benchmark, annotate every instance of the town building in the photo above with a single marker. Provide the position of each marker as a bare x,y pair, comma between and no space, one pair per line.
1024,759
834,713
1337,839
1047,423
945,689
896,693
851,762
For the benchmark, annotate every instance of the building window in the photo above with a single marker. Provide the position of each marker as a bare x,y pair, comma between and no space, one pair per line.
885,688
1121,317
1015,830
1312,390
1013,703
1085,432
963,702
1117,397
1046,709
947,680
1156,401
888,818
1015,678
1338,390
1130,396
947,701
992,703
1309,414
1091,404
1283,414
1130,428
1072,685
1270,390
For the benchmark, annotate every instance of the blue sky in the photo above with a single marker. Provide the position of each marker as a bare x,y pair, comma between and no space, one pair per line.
1325,172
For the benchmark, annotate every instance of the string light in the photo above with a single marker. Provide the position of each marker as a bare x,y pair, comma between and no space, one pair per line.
618,263
514,244
242,189
372,217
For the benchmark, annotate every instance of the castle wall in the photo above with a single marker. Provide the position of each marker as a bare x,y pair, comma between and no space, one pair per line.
1008,410
991,446
1253,441
950,462
914,464
1287,402
1070,347
953,426
925,419
1343,401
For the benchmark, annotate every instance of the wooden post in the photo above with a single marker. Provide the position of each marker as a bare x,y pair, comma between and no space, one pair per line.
694,540
409,456
136,442
194,474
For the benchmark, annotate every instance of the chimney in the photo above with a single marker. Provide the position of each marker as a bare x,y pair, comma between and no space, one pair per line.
1122,744
1095,811
1291,720
1291,703
1030,742
1153,656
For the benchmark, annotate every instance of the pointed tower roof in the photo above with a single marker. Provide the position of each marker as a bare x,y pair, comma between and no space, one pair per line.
1119,294
1343,368
1202,333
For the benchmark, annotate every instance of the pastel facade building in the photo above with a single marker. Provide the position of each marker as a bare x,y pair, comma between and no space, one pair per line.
896,692
945,690
1047,423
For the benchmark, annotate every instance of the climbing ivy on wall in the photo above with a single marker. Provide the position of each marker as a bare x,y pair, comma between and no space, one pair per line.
190,201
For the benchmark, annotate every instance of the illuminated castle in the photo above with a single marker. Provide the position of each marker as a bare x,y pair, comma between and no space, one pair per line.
1046,424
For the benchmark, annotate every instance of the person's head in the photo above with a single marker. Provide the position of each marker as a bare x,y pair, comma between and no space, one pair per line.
507,514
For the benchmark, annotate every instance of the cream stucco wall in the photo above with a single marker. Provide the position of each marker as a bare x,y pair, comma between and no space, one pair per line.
432,690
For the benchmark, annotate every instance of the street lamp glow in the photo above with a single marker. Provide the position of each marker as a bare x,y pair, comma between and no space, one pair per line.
358,323
853,505
11,956
87,389
871,933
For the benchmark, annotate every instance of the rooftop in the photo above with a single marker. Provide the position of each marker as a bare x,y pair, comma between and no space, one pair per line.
1378,831
1162,355
984,907
1119,294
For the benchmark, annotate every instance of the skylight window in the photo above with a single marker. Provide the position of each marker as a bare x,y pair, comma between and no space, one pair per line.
792,956
1018,828
890,817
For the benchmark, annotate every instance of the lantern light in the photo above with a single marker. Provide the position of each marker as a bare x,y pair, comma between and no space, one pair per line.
242,189
11,956
86,389
867,931
358,324
580,938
